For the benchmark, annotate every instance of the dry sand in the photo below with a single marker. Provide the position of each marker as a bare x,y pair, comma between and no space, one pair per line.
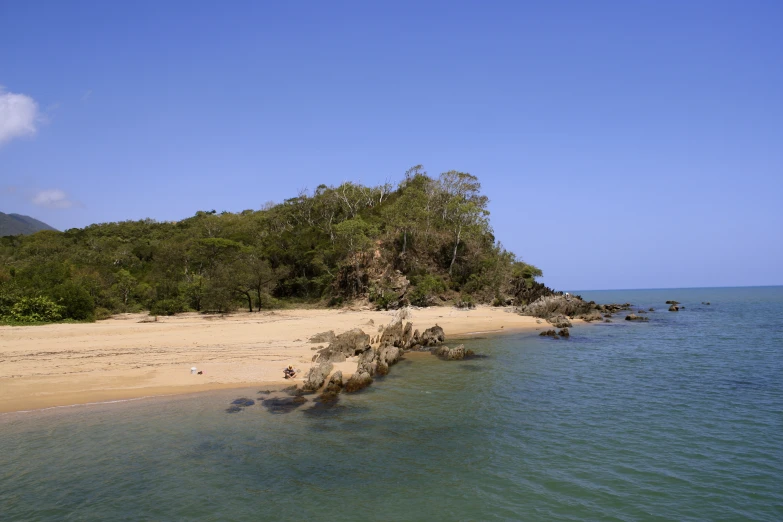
123,358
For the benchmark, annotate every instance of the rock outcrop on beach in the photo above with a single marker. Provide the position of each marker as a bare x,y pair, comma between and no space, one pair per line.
372,361
560,321
335,382
393,335
323,337
348,344
591,316
368,362
316,377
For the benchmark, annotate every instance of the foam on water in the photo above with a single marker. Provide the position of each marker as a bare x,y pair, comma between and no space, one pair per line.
680,418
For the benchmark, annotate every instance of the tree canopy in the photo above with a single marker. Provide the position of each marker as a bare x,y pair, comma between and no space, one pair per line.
426,240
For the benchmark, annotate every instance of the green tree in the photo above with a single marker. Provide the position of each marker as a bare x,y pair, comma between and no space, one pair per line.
465,208
354,238
125,283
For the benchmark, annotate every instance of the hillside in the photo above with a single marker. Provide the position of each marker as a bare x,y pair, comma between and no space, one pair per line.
16,224
425,241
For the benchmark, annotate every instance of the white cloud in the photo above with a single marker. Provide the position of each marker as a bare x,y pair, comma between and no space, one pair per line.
54,198
18,115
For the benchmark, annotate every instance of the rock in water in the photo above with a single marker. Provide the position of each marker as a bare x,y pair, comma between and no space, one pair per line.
564,333
441,351
634,317
358,381
432,336
551,305
457,354
674,308
389,354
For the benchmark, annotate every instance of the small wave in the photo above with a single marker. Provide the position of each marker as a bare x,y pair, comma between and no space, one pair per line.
82,404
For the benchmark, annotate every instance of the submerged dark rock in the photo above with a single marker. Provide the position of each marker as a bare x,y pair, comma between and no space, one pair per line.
634,317
234,409
243,401
283,404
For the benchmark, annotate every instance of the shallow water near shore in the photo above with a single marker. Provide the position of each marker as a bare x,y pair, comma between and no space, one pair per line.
680,418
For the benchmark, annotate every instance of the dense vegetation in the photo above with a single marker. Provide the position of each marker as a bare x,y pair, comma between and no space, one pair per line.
426,241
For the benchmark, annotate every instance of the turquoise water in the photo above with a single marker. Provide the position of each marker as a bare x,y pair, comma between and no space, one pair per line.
680,418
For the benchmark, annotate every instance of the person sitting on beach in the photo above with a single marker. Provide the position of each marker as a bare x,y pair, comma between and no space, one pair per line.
289,372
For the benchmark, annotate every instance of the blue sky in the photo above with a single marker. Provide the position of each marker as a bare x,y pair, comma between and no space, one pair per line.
622,144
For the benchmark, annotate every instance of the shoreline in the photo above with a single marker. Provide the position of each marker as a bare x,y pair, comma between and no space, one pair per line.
123,358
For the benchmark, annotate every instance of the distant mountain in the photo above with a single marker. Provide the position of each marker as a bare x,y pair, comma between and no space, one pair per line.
15,224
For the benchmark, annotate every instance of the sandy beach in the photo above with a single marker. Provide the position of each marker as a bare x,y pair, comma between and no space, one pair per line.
123,358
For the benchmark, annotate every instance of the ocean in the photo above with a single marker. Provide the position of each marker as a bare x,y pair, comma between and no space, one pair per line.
679,418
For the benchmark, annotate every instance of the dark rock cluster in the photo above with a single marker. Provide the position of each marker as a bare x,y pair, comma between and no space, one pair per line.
240,404
558,309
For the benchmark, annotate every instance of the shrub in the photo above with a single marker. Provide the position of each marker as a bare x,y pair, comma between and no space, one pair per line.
466,301
102,313
36,310
426,287
77,301
167,307
383,298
